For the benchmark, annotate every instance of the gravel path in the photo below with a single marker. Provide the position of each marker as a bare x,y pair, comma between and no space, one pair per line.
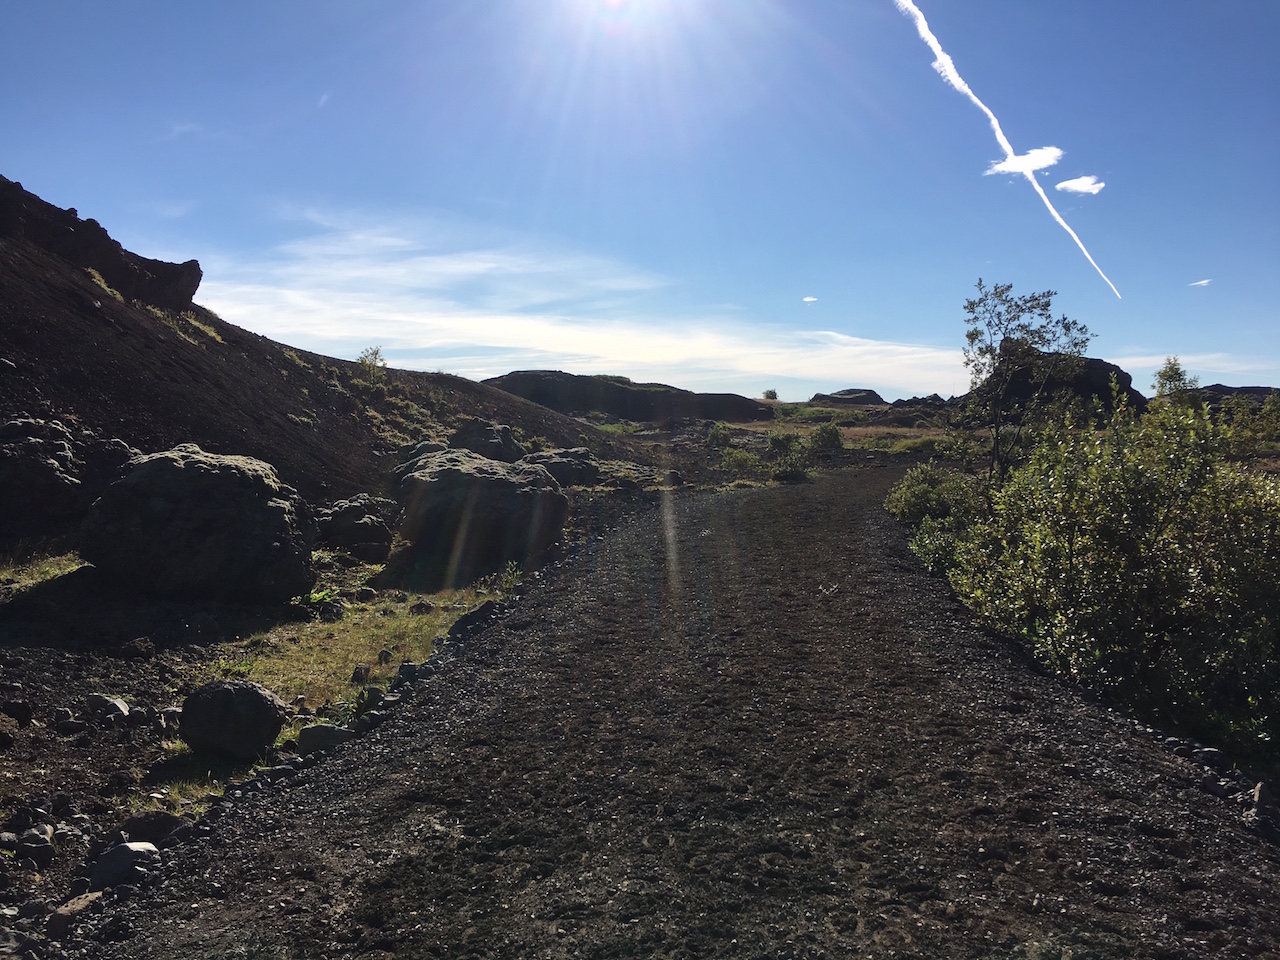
745,725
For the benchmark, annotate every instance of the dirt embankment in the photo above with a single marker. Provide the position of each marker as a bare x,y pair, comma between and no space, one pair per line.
744,725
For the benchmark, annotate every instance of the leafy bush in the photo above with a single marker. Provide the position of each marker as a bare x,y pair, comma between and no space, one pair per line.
933,492
941,504
742,462
1138,560
771,394
781,443
828,436
719,436
791,467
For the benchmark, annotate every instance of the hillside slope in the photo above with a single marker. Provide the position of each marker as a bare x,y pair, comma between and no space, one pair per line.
74,347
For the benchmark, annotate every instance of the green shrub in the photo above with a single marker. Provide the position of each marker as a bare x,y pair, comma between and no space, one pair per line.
792,467
719,436
781,443
933,492
1138,560
827,436
941,504
741,462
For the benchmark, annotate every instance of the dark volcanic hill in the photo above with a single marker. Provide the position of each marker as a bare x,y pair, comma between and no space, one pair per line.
109,341
619,397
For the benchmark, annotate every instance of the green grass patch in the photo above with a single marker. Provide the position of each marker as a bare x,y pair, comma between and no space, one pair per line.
97,278
316,660
18,572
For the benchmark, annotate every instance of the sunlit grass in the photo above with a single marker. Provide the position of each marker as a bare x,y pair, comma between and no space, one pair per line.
316,660
19,573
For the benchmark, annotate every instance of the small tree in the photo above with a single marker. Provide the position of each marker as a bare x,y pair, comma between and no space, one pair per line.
1017,352
372,364
1173,383
771,394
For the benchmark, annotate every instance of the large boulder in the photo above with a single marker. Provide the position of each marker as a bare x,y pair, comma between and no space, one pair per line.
492,440
49,475
234,718
357,526
575,467
467,515
185,523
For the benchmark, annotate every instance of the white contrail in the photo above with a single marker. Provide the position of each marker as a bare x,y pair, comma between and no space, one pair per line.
947,69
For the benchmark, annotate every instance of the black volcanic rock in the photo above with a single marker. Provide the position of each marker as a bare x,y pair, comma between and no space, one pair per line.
1089,381
619,397
186,523
852,397
87,245
467,515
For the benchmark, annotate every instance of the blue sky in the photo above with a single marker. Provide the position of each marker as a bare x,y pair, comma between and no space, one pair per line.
654,187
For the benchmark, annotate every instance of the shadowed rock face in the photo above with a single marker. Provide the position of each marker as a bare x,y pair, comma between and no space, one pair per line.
568,393
467,515
49,475
86,244
185,523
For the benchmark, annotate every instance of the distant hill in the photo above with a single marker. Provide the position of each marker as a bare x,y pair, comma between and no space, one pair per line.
619,397
107,340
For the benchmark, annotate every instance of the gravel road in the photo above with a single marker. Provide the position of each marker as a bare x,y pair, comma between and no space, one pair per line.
743,725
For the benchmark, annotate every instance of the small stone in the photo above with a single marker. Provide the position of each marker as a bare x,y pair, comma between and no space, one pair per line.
8,841
42,832
123,864
322,736
101,705
361,673
422,607
19,710
366,595
62,919
40,852
151,826
1263,797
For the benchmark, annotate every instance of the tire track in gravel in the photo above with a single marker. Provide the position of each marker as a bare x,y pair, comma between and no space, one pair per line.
746,725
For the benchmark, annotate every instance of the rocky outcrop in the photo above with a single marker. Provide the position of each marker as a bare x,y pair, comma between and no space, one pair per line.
576,467
87,245
492,440
186,523
232,718
852,397
357,526
467,515
619,397
49,475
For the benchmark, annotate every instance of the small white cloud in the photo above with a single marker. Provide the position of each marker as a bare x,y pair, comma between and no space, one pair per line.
810,299
1200,283
1040,158
1089,184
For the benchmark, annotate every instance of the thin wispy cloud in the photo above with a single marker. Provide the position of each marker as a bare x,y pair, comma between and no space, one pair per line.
486,310
324,98
178,130
1041,158
947,70
1090,184
1200,283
